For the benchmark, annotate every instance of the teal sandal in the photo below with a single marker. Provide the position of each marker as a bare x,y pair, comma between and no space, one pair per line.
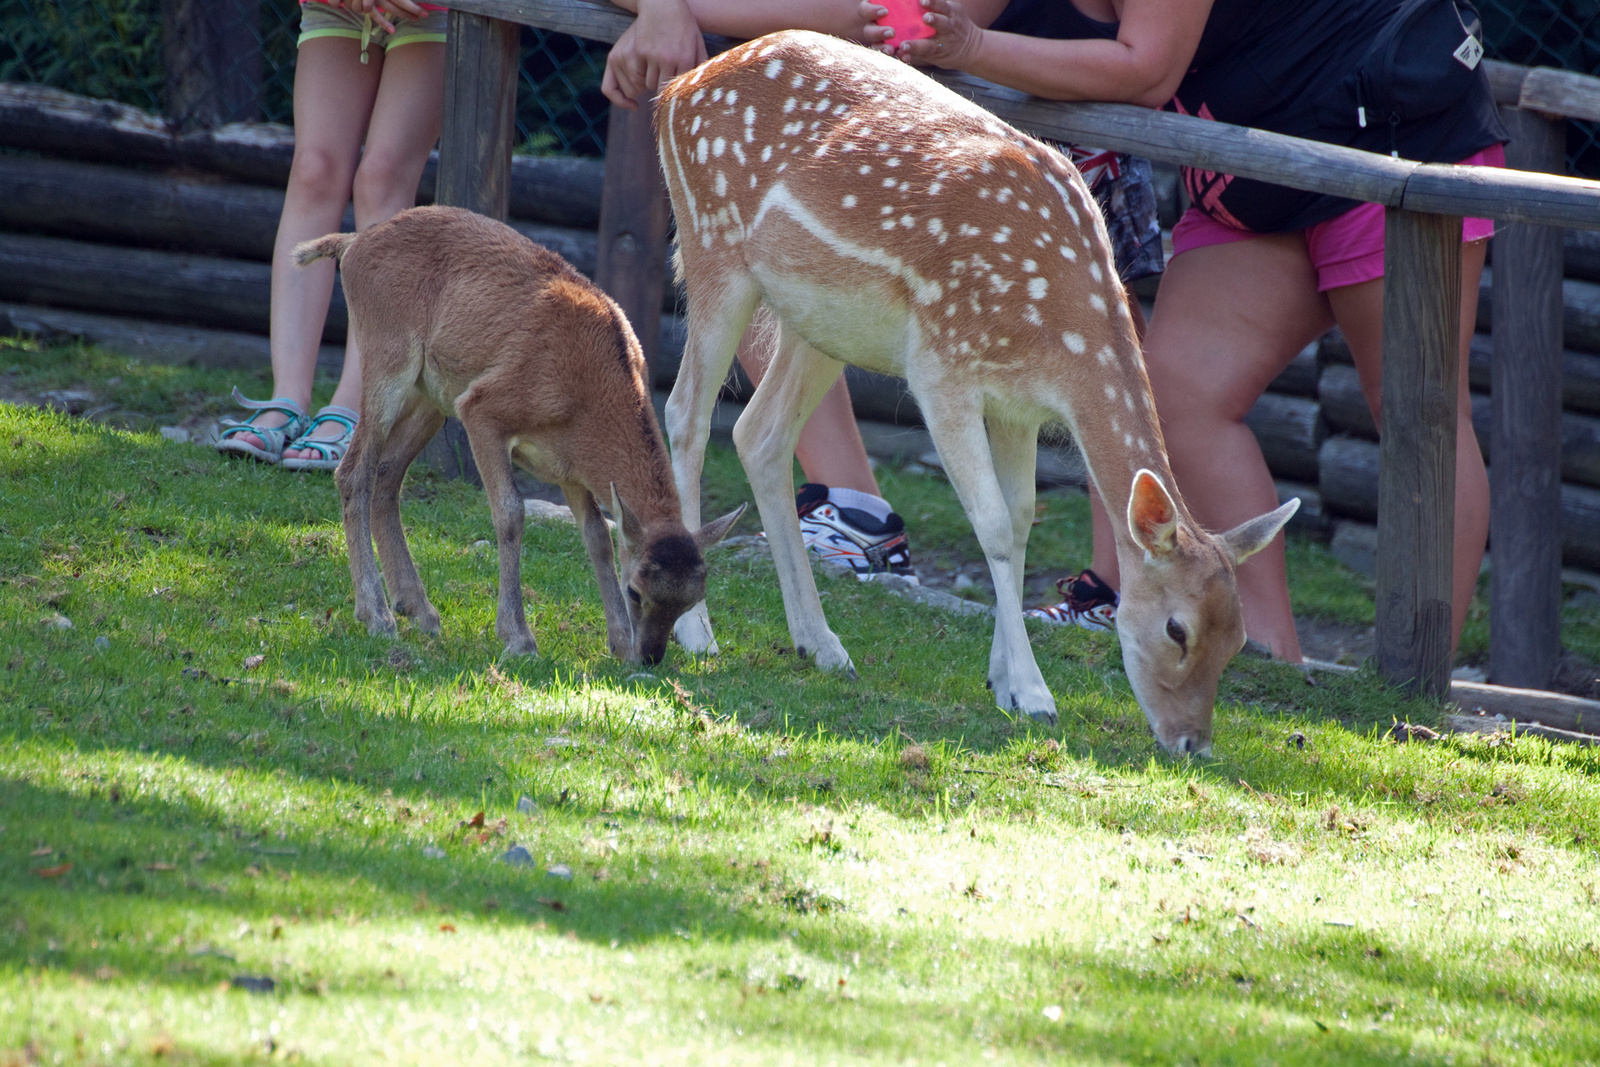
275,438
331,449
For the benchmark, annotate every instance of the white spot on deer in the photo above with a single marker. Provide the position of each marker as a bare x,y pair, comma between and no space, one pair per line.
722,183
796,81
849,200
983,194
968,230
702,148
694,127
1003,195
774,68
823,83
1097,302
1002,235
864,169
1037,287
1044,213
892,161
935,227
934,188
1127,440
949,310
790,129
907,221
886,224
1030,267
889,183
718,147
1105,355
1032,317
1127,398
733,97
1111,394
766,154
716,95
1095,272
841,110
699,95
788,105
999,284
1144,446
1069,254
1073,341
738,152
752,179
887,209
823,104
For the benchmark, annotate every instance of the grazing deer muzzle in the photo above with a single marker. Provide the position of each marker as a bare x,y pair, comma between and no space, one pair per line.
456,314
886,222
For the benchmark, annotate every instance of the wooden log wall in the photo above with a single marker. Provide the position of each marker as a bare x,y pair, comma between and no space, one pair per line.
112,213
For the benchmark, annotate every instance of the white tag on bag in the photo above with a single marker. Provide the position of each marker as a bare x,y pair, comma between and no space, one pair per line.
1469,53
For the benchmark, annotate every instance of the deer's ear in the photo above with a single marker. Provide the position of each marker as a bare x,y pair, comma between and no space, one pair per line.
627,522
1152,516
1248,538
712,532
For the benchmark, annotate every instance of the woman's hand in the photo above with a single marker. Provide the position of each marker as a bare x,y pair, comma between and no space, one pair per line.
871,33
405,9
955,41
663,42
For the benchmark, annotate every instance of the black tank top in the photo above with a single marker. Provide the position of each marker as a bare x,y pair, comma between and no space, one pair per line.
1277,65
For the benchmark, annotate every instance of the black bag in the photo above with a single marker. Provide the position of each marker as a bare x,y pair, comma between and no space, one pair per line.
1423,61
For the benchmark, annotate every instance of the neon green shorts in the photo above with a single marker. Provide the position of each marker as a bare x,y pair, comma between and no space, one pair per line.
331,20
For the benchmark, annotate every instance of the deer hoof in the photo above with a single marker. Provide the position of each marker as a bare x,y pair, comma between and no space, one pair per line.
380,625
1048,718
522,644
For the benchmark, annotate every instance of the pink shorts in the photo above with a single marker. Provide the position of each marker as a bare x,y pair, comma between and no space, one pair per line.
1347,249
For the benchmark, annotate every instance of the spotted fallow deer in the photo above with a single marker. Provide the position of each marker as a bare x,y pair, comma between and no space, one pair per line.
888,223
456,314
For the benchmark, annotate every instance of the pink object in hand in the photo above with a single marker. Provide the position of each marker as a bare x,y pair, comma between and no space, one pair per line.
905,18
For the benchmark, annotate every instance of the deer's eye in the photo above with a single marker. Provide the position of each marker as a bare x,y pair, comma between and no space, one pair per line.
633,595
1175,631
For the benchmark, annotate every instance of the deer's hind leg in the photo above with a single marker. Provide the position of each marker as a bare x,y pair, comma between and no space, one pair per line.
955,422
597,542
409,436
387,393
719,311
765,435
1014,447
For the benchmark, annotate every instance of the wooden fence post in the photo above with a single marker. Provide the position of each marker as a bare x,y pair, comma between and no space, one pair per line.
634,211
211,50
1525,440
1417,441
480,110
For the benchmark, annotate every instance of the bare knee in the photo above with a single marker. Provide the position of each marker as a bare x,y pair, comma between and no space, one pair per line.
320,175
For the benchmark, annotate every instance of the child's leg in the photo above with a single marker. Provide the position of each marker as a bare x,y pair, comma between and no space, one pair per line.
333,95
402,129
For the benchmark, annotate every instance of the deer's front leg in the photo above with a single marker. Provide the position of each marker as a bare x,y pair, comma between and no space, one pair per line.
493,457
956,425
721,306
597,542
1014,448
355,478
765,435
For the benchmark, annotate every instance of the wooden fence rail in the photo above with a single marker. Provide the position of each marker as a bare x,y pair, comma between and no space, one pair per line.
1425,204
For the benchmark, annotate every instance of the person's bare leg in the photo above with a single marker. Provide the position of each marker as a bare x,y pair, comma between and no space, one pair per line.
1359,310
403,127
1228,319
830,449
333,97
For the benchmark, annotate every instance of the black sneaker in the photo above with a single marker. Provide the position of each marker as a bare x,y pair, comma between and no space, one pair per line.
1090,603
853,537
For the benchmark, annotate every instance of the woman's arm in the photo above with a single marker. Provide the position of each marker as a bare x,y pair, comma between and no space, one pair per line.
1144,65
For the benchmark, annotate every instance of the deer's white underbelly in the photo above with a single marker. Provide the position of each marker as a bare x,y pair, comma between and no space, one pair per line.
868,325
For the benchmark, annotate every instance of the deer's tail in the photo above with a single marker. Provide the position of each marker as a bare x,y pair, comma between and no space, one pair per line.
334,244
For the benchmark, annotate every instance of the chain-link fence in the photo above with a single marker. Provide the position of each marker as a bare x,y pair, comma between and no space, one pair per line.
141,52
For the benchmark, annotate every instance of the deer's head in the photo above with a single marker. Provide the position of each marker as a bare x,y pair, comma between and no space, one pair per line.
663,571
1178,617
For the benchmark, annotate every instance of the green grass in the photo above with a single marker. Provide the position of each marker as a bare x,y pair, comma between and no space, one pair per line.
767,864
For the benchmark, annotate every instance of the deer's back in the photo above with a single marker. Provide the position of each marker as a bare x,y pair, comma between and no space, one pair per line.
881,212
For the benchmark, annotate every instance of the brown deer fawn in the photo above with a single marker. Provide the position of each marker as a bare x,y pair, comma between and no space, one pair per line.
456,314
886,222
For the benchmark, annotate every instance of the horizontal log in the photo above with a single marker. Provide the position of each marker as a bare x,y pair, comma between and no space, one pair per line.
1580,318
1290,432
1349,487
1582,255
561,191
1299,378
1561,92
1580,375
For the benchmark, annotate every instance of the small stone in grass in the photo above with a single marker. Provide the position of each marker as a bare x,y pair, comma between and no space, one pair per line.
526,806
1051,1012
57,622
251,983
252,662
517,856
433,852
102,642
559,870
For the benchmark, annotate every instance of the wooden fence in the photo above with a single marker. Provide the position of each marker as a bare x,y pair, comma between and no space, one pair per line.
1425,205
